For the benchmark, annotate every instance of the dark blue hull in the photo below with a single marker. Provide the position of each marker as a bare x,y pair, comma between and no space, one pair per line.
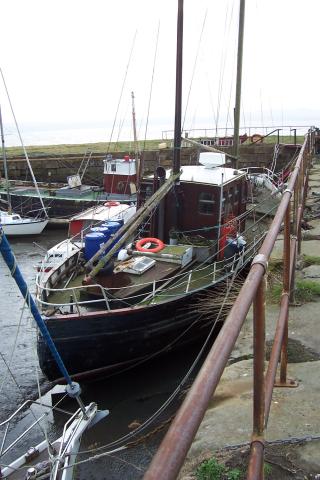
107,341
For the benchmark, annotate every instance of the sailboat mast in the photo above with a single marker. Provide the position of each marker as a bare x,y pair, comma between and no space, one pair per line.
177,123
135,138
23,147
5,165
238,87
136,145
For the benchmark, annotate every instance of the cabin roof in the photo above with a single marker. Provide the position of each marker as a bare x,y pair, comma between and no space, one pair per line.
101,212
211,175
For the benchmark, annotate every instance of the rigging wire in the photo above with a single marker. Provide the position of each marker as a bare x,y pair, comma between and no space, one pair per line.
223,63
8,364
22,144
142,427
120,127
194,68
182,383
151,86
121,92
44,426
173,395
178,389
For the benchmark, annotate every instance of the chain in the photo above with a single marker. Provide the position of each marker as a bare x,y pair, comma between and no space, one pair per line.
157,429
281,441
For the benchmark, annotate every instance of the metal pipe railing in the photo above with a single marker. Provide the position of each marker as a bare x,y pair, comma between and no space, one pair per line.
170,456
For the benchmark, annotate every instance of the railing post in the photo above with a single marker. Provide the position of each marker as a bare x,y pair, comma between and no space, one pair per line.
299,206
286,288
188,283
105,297
294,231
255,469
214,272
75,299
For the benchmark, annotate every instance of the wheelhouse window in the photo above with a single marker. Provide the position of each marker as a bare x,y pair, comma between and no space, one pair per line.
206,203
113,167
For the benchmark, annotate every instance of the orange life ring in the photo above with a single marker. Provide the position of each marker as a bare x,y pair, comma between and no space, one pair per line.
111,203
256,138
143,241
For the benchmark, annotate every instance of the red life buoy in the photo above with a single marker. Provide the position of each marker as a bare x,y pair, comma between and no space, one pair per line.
143,241
256,138
111,203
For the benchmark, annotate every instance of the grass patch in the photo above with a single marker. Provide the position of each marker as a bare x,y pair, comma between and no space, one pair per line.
63,149
121,146
275,267
211,469
305,291
267,469
308,260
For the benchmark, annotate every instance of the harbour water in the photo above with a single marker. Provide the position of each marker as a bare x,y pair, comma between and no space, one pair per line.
18,333
132,397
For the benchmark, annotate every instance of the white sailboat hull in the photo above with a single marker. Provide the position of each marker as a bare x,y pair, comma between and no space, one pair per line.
24,227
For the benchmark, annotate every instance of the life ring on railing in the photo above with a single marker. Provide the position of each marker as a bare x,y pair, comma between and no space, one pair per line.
112,203
256,138
143,241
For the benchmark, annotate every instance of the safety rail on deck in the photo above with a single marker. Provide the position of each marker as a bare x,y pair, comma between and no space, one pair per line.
172,452
210,274
275,178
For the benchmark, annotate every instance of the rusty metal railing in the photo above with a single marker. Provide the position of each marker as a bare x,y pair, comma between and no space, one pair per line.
171,454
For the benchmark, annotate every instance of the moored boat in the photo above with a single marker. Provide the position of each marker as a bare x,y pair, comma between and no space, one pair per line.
146,301
137,295
117,183
15,225
79,226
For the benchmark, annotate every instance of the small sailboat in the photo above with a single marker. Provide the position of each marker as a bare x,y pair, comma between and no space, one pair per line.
13,224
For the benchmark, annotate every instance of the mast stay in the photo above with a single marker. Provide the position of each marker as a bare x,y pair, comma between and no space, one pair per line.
23,147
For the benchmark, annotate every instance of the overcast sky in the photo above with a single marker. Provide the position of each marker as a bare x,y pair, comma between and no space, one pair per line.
65,62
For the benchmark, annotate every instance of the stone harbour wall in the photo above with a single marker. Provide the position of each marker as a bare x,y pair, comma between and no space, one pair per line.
56,168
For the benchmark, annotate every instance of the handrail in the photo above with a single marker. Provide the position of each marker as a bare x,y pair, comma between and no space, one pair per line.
222,132
267,135
223,265
171,454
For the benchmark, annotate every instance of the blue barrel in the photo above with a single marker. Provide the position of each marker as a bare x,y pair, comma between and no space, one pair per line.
102,229
92,243
112,225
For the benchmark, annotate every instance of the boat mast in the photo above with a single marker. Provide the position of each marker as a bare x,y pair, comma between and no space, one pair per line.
135,139
177,123
238,87
23,147
5,165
